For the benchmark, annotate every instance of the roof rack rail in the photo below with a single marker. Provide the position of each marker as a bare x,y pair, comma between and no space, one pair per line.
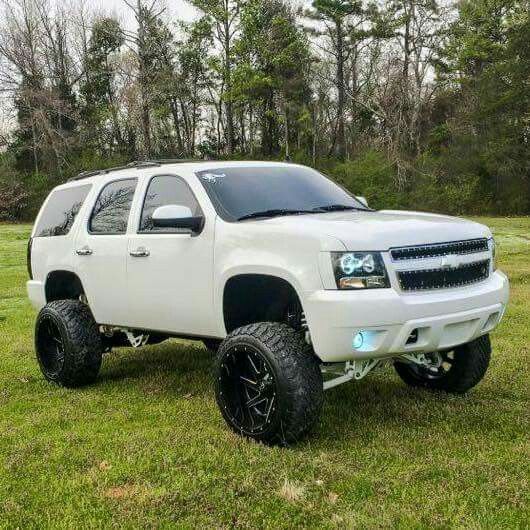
138,164
175,160
85,174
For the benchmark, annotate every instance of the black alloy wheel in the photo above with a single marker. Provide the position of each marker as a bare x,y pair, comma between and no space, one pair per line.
68,343
50,346
268,383
247,390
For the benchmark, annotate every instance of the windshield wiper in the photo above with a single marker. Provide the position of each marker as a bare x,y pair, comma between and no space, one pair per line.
273,213
337,208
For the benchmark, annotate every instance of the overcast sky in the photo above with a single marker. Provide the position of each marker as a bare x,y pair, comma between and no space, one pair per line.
175,9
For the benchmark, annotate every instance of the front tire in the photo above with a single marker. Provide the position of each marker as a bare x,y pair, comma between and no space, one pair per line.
68,343
269,383
460,370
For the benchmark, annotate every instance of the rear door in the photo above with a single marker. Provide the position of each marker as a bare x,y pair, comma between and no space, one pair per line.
100,252
170,270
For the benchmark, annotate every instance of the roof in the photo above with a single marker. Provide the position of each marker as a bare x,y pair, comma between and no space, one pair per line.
175,165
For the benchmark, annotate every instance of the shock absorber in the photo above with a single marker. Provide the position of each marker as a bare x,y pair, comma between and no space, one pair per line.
303,322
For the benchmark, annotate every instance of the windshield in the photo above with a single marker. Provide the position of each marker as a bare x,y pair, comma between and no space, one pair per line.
239,193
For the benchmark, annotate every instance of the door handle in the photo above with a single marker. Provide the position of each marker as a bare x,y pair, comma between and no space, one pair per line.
85,251
140,252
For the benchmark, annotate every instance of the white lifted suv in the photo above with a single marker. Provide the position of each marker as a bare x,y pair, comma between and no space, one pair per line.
296,284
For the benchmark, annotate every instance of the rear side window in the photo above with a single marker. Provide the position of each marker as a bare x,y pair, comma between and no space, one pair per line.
61,210
164,190
111,211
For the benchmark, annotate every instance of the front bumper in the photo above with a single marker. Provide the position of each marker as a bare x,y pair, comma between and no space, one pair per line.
386,319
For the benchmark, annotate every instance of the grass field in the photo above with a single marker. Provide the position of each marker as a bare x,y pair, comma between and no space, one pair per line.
146,446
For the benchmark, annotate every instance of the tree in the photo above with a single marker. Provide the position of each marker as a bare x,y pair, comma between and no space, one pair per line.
487,61
98,89
40,75
190,83
272,73
345,23
224,17
419,29
150,45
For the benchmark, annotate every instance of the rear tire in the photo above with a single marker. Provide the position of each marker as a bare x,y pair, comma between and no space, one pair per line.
467,365
269,383
68,343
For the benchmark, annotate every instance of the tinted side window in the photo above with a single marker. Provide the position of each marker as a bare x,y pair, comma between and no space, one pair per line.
111,211
61,210
162,191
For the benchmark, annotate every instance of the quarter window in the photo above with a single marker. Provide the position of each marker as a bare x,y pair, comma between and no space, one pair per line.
162,191
61,210
111,211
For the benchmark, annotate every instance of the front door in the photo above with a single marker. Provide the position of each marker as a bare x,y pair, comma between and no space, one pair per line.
170,270
101,250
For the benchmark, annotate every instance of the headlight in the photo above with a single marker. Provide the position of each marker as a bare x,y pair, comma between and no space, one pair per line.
359,270
493,247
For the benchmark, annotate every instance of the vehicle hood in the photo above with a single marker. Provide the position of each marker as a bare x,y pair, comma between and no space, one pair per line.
381,230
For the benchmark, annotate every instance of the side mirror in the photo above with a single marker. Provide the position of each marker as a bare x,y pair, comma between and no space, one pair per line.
362,200
177,216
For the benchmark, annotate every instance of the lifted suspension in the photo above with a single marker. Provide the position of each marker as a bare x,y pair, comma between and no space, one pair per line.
358,369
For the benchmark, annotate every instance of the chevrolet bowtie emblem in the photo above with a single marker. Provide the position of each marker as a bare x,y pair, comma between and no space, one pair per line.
450,262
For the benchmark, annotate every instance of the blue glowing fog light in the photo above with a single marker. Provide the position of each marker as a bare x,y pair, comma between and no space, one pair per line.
367,340
358,340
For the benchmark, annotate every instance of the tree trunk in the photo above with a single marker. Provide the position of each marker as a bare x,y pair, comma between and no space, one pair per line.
113,111
229,110
406,48
286,130
268,125
144,82
242,128
35,155
176,120
341,133
251,129
314,134
146,124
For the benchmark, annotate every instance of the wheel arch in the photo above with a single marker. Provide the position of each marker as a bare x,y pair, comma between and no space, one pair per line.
63,285
249,297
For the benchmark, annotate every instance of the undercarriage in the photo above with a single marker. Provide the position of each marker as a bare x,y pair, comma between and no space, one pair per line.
333,374
338,373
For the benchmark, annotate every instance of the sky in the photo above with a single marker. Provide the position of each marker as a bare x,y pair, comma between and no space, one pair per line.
175,9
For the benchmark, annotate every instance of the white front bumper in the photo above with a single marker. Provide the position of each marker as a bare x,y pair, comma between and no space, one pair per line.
36,294
386,318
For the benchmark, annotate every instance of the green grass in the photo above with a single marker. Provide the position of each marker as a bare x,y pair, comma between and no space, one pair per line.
146,446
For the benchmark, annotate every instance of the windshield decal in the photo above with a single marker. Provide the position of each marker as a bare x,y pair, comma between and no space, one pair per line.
212,177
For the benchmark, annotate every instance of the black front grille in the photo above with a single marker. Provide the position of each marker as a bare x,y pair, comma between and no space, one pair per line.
444,278
469,246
